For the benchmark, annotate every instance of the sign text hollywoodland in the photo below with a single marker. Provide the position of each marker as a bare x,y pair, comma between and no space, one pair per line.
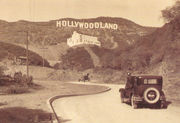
87,25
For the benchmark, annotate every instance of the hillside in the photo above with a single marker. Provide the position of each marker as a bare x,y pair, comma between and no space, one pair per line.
164,48
162,45
46,33
9,51
130,47
53,39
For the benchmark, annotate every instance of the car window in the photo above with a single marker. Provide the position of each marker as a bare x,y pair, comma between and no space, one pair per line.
150,81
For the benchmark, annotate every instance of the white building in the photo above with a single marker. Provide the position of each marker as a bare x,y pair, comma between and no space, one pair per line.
78,39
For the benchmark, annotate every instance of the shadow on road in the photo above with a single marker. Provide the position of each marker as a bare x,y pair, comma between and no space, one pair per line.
167,103
64,120
155,106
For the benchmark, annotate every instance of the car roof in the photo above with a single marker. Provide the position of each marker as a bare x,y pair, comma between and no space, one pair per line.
147,76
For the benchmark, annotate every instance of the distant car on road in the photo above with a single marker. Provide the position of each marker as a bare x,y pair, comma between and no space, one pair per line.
143,89
84,78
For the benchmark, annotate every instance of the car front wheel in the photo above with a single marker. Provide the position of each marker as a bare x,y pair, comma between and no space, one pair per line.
133,104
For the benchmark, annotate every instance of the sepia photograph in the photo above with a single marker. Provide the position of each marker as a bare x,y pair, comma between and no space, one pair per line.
89,61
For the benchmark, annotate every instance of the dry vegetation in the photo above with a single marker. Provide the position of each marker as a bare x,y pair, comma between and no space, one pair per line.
9,51
47,31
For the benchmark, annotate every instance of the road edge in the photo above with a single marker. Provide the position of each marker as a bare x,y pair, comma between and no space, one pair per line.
51,99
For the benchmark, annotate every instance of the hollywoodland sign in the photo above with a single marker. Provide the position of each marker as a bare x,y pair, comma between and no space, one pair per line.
87,25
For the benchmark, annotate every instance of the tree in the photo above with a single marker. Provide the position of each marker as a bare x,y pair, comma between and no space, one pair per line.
172,12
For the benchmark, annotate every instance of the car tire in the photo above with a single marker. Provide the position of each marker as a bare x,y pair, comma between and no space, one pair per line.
162,105
133,104
122,97
146,95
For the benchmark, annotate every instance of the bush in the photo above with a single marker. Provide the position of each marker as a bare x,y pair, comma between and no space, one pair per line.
17,77
29,80
24,115
77,59
171,13
23,79
17,90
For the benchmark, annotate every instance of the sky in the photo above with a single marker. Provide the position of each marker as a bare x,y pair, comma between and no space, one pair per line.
143,12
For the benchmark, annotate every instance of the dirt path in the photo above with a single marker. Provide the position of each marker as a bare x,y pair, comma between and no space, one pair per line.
106,108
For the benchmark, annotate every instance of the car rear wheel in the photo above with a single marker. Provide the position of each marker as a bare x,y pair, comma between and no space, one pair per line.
161,104
133,104
151,95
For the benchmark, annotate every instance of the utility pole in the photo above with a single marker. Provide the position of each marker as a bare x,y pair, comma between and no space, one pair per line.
43,49
27,53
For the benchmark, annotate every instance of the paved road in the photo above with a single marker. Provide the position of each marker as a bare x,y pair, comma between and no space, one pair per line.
106,108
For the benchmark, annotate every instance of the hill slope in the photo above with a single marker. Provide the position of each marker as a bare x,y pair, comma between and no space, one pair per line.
46,33
10,51
161,46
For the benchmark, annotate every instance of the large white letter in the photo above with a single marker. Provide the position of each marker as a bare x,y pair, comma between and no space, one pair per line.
96,24
64,23
106,26
91,25
81,25
58,23
111,26
68,24
115,26
101,25
76,24
86,25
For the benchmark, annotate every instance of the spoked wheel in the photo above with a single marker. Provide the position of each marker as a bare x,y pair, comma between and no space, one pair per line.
133,104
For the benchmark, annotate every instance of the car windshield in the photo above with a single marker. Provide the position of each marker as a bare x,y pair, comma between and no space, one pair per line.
129,83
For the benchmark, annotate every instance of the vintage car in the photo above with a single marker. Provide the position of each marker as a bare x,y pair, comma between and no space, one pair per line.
84,78
142,90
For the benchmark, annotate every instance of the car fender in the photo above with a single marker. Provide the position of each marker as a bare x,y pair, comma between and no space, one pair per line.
121,90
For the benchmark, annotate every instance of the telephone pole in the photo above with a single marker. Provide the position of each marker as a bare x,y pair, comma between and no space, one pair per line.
43,49
27,51
27,54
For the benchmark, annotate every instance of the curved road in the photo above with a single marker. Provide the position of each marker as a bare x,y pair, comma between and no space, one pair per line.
107,108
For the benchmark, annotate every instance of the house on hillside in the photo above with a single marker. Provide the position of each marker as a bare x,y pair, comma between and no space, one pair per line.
17,60
78,39
20,60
